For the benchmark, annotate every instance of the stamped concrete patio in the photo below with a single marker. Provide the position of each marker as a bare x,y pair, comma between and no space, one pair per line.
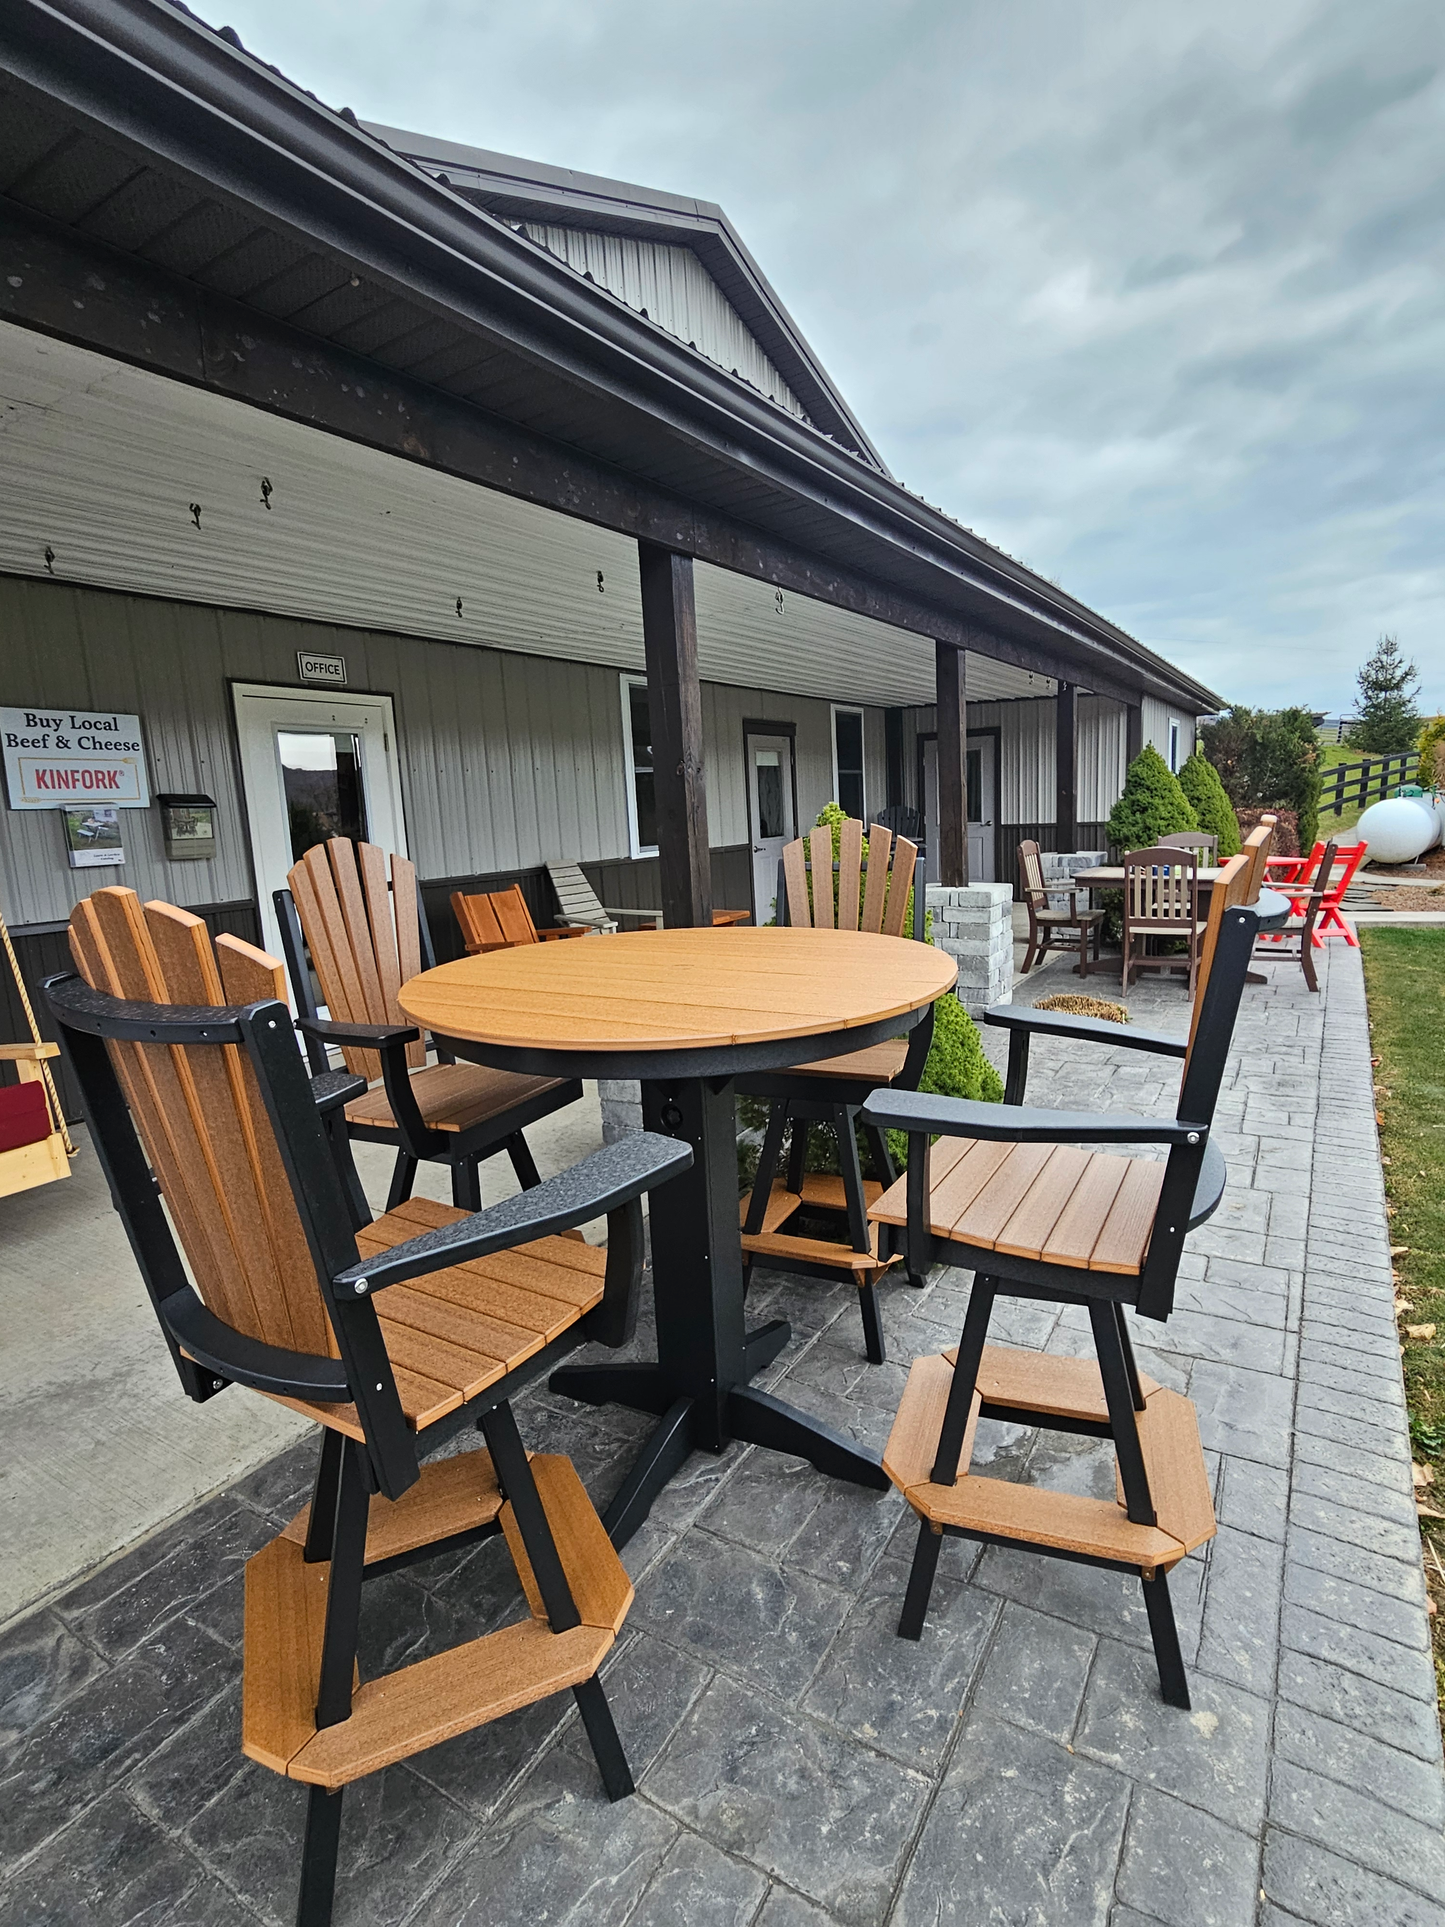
797,1763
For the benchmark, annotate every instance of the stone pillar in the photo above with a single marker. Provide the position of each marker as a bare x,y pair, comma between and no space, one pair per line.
973,922
621,1107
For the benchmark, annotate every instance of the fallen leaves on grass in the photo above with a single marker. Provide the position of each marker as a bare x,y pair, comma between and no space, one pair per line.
1422,1334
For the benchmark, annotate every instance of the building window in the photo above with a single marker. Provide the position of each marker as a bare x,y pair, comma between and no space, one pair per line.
848,761
637,741
1174,744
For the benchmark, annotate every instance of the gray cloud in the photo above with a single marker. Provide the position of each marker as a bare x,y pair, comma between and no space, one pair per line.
1149,294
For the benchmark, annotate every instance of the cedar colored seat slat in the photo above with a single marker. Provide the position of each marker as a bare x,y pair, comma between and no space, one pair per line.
452,1097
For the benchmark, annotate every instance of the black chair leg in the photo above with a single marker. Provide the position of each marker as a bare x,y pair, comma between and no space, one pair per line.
403,1176
1173,1681
851,1171
798,1156
602,1732
768,1160
318,1858
321,1525
523,1163
467,1185
872,1325
920,1581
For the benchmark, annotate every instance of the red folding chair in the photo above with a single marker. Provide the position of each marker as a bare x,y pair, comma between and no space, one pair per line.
1330,920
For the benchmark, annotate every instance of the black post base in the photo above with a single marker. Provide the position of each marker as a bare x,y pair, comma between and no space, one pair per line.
762,1419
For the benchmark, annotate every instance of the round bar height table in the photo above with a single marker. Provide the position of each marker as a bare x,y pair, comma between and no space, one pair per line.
684,1012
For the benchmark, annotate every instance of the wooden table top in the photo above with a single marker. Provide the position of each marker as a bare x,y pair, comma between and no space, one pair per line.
678,989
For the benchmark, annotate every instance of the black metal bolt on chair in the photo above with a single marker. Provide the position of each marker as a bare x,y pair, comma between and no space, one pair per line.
365,939
394,1336
817,892
1006,1194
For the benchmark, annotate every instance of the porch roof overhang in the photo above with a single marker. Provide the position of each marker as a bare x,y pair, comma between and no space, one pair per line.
174,202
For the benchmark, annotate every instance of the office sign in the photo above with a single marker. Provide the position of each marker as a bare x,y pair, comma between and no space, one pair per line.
56,758
322,669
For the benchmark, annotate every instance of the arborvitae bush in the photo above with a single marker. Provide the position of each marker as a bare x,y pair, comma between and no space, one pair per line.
1431,773
1153,804
1199,780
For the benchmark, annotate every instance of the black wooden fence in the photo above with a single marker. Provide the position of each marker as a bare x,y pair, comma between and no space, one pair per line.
1365,781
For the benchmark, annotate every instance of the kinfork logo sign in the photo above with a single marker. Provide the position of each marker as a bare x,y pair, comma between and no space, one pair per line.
56,757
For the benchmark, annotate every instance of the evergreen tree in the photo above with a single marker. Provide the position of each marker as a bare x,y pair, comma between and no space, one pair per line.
1389,718
1199,780
1431,773
1152,804
1283,766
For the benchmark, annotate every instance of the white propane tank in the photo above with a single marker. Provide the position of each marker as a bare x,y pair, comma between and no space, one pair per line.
1399,829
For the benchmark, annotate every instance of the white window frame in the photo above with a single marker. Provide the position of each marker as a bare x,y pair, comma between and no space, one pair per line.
627,683
1176,733
835,710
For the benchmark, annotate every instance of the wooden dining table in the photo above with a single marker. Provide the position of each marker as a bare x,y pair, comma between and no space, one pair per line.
684,1012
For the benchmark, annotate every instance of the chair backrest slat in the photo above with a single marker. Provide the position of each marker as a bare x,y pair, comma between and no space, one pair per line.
875,890
371,860
314,889
577,900
1256,848
1231,886
795,878
1031,876
406,909
820,856
201,1117
905,858
514,916
342,856
1161,886
365,940
850,872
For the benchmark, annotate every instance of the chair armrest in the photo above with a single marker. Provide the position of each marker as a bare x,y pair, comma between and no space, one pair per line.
1059,1023
611,1177
333,1088
357,1036
921,1111
566,930
653,916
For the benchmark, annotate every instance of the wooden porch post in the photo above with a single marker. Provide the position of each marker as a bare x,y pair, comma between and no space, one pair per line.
949,863
893,747
674,700
1134,732
1066,825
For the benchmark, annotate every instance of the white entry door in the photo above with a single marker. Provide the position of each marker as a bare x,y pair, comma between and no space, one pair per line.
314,767
770,815
981,776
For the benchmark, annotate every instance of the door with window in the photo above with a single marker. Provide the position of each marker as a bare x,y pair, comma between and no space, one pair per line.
770,815
981,778
314,767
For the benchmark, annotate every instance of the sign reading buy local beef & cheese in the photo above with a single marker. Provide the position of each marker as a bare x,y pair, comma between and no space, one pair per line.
56,758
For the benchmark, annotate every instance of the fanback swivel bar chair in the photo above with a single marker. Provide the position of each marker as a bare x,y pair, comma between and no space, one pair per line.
1037,1219
872,895
365,941
393,1337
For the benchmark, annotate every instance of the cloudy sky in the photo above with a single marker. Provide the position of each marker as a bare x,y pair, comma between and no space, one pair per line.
1152,294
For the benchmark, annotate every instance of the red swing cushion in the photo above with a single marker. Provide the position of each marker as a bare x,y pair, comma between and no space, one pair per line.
24,1115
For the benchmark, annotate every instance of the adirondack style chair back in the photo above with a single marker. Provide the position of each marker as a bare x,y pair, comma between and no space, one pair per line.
1161,889
364,939
494,920
871,888
200,1116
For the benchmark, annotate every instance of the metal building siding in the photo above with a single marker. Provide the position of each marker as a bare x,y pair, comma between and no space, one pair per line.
1101,742
1026,762
1157,717
725,709
671,287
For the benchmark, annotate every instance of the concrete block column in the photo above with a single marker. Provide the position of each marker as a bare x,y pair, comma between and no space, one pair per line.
973,922
621,1107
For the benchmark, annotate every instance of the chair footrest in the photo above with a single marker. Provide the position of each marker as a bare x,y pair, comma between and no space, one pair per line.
1035,1515
824,1192
452,1495
420,1705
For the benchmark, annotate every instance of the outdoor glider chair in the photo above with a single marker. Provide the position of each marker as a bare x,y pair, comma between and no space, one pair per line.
1161,905
813,1223
393,1335
365,941
1004,1194
1047,924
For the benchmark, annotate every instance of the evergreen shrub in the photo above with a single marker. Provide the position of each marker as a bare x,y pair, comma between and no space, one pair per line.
1431,773
1199,780
1153,804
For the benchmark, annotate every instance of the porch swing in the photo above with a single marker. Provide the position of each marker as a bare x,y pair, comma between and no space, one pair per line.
35,1147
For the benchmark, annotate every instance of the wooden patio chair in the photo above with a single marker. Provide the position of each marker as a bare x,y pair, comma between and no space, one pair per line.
1332,885
365,941
1302,930
1256,849
500,920
580,904
851,894
1204,843
1161,902
1004,1195
393,1336
1045,924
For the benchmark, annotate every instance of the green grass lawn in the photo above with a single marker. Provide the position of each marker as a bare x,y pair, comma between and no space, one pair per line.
1405,984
